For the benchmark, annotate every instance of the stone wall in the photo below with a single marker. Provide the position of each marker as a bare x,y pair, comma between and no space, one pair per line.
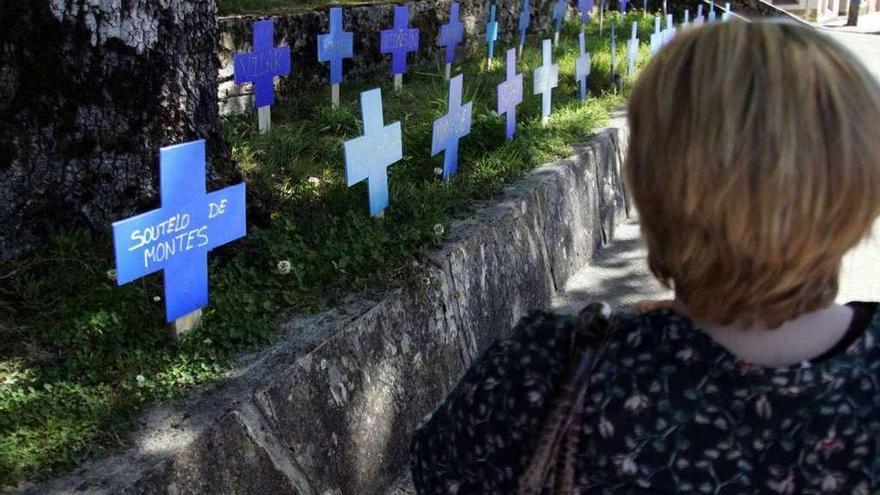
89,90
331,407
300,31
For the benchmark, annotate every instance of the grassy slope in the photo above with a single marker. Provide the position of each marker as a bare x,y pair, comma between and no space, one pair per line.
80,357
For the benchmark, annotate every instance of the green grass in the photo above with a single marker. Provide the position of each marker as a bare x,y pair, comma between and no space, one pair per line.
80,358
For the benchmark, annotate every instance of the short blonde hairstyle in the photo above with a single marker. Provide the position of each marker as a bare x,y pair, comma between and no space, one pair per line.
754,163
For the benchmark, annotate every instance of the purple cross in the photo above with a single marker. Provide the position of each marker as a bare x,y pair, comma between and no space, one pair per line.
491,31
582,66
525,19
585,6
450,128
263,64
399,40
559,11
623,5
451,34
510,93
176,238
369,156
335,45
545,78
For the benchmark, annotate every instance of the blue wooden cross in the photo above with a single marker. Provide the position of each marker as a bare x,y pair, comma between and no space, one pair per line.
559,11
725,16
491,32
623,4
399,40
712,11
585,6
632,49
525,19
656,37
546,78
176,238
451,34
510,94
582,66
699,19
335,46
687,18
670,30
450,128
263,64
369,156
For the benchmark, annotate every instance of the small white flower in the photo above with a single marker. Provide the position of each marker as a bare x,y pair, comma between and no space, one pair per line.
283,267
157,298
111,274
314,181
141,380
438,171
439,230
636,403
628,466
207,341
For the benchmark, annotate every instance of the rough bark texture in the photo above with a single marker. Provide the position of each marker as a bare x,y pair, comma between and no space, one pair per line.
330,409
301,30
89,90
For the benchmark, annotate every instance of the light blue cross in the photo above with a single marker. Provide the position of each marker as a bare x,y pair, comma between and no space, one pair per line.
176,238
582,66
335,45
369,156
712,11
510,94
525,19
632,49
585,6
451,34
656,37
450,128
491,32
546,78
725,16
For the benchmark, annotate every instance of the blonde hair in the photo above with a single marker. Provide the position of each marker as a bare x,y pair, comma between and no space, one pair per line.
754,163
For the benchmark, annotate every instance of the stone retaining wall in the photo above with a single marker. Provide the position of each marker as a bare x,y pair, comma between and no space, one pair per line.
331,407
301,30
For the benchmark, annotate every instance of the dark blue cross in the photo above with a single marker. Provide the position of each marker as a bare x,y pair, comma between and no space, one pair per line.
399,40
369,156
525,19
559,11
335,46
451,34
176,238
491,31
585,6
450,128
510,93
263,64
582,66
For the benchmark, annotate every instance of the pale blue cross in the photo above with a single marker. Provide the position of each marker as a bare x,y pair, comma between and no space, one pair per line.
712,11
176,238
525,19
656,37
699,19
670,30
510,94
582,66
335,45
546,78
399,40
368,157
451,34
450,128
725,16
491,32
263,64
687,18
632,49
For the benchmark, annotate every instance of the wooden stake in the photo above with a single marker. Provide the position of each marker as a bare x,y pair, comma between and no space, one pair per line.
185,324
520,52
398,82
556,39
264,118
334,95
448,70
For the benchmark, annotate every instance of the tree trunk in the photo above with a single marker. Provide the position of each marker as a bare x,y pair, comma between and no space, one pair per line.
89,91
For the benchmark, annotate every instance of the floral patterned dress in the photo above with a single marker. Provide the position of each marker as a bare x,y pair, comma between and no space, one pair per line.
668,411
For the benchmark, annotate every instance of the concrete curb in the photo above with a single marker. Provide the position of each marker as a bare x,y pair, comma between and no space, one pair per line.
330,408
